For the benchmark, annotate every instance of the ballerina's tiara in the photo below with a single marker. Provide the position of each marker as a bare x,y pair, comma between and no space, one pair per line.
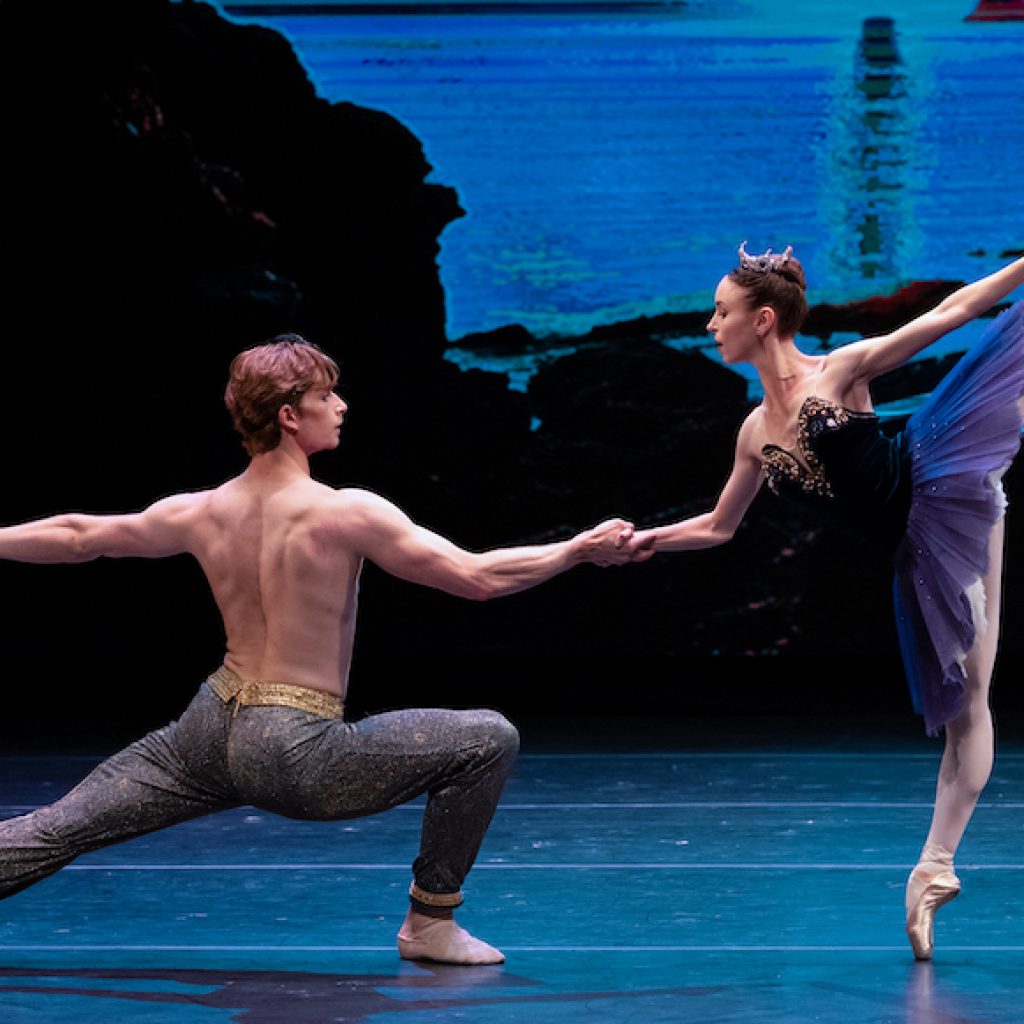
766,262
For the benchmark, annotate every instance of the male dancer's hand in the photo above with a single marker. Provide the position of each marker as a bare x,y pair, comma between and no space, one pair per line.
613,542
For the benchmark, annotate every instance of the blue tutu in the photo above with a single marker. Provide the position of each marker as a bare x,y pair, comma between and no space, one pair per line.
959,443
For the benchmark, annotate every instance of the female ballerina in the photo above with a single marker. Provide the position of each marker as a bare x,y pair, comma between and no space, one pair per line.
932,497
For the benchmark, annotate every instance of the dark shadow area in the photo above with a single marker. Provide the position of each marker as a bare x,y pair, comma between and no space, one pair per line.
271,997
98,705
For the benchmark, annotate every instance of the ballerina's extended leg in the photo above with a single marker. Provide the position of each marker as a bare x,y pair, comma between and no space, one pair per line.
965,769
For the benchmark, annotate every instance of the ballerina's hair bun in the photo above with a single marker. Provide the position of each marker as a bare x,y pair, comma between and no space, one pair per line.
793,271
776,280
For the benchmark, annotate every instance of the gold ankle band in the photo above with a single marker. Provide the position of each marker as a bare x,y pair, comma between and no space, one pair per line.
435,899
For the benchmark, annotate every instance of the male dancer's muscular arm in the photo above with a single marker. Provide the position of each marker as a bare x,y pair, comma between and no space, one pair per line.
157,532
385,535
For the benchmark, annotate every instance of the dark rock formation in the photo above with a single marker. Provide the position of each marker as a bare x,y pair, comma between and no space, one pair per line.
912,379
176,191
880,313
512,338
628,394
658,327
874,315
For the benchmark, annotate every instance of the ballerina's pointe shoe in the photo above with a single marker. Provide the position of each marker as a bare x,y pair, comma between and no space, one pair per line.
927,890
444,942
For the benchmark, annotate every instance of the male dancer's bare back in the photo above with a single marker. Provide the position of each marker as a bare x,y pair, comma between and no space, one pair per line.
282,555
282,571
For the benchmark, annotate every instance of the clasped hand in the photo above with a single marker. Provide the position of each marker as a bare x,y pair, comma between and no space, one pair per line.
615,542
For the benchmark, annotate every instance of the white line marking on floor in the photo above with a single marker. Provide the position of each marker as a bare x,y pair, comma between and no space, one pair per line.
684,805
670,755
510,949
547,866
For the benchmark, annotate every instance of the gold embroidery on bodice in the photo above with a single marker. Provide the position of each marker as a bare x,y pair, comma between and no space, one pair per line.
802,465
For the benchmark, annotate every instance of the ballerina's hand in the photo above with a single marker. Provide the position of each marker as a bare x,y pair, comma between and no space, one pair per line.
643,545
613,542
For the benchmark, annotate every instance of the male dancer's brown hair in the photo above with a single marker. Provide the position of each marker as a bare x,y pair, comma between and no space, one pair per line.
263,379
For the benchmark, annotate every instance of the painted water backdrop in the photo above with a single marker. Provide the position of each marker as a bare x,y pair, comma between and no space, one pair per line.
611,159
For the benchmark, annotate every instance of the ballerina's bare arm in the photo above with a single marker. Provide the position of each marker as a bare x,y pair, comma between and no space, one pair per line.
870,358
712,528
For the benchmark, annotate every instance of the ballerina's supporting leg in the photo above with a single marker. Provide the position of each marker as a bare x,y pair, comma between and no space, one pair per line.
965,769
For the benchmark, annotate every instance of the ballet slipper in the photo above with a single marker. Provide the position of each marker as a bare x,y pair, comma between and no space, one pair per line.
932,884
442,941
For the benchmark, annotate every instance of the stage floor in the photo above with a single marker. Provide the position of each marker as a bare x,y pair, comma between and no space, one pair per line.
710,881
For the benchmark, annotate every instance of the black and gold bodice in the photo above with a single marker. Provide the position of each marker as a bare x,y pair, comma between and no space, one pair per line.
846,471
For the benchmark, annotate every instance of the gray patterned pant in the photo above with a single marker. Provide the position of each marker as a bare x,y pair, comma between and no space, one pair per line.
291,762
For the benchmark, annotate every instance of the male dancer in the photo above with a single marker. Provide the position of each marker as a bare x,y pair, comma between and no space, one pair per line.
282,554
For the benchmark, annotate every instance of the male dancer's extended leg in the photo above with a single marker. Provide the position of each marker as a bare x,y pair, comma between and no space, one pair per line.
168,776
964,771
305,767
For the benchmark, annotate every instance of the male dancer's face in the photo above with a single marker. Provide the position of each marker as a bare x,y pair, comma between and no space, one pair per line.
321,413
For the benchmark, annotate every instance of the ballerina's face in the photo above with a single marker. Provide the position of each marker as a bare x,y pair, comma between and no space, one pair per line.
732,323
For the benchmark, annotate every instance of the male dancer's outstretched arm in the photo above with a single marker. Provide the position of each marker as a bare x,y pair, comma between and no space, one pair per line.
381,532
158,532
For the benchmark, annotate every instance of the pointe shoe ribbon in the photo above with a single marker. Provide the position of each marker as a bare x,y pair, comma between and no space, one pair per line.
942,888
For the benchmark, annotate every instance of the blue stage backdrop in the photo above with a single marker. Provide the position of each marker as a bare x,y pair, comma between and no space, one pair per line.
610,156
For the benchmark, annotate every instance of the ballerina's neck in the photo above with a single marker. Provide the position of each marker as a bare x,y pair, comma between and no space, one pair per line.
788,381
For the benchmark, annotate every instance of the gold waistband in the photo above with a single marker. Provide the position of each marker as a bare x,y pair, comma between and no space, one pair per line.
230,687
